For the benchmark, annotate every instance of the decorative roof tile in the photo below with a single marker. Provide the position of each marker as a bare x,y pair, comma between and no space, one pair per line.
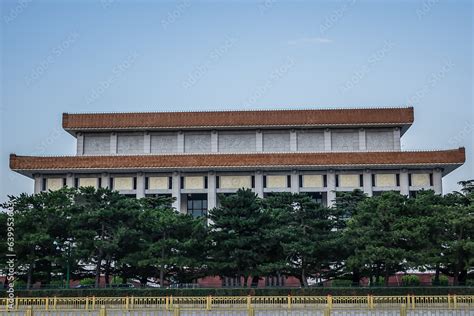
232,119
251,160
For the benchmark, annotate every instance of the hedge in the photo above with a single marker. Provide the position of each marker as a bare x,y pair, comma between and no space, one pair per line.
310,291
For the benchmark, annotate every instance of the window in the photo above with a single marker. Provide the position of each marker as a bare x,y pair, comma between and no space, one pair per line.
197,205
318,197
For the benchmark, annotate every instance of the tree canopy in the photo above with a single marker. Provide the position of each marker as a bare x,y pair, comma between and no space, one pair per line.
98,232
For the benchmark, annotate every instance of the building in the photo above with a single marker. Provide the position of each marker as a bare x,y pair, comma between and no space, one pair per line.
195,156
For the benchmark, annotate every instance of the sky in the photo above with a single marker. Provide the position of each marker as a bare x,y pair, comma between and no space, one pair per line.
125,56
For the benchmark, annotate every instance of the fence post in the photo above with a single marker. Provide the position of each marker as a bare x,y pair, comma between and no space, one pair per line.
208,302
29,311
289,301
327,311
403,310
93,302
329,301
176,311
455,301
249,302
250,311
46,304
132,302
87,303
127,303
413,301
167,303
16,302
171,300
55,302
103,311
449,301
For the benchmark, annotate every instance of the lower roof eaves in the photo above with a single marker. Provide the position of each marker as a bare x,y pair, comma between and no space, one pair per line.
447,160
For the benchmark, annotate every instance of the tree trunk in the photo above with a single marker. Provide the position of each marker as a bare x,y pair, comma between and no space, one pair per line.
245,280
107,273
255,280
100,257
30,276
143,281
386,276
462,277
355,277
304,280
436,278
97,272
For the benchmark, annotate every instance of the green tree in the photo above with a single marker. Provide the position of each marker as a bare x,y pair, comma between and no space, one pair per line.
379,236
104,222
345,206
172,245
41,230
305,233
236,232
458,237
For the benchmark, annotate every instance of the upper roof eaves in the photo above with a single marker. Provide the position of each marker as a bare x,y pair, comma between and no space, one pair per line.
305,118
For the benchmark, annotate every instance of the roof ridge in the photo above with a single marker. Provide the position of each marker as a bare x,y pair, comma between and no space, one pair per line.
250,153
252,110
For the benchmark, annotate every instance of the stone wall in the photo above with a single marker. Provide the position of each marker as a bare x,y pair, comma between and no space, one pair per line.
97,144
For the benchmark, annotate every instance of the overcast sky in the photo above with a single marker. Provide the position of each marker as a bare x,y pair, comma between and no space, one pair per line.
122,56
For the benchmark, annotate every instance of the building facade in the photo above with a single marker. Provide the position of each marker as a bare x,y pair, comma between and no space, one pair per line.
196,156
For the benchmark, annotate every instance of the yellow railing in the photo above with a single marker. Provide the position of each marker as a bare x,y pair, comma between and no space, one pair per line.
236,302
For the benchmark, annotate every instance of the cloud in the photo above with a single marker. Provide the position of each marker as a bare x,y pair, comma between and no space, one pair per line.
310,40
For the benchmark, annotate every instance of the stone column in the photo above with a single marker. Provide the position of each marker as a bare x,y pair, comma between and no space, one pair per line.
396,139
259,141
331,187
147,143
368,185
404,183
105,180
211,190
293,140
295,182
70,180
214,141
259,183
38,183
176,190
80,144
438,181
362,140
180,146
113,143
140,185
327,140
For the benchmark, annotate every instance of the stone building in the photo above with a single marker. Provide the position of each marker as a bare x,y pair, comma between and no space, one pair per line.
195,156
